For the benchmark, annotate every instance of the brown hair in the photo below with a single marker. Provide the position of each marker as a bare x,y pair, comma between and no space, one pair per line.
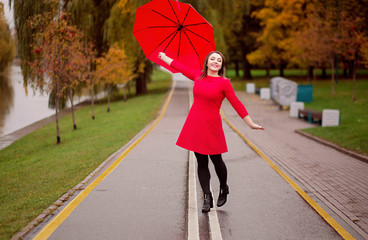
222,70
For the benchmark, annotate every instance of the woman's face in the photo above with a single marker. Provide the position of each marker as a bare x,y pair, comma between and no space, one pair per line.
214,62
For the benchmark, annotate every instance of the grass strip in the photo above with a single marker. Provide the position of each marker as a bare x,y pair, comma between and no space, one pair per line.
35,171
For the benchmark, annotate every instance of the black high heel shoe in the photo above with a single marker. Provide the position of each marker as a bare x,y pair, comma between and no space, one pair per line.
223,196
207,202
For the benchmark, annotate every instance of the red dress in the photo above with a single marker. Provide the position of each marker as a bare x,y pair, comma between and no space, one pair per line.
202,131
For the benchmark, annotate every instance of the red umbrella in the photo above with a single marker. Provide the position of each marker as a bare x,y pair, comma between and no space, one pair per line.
176,29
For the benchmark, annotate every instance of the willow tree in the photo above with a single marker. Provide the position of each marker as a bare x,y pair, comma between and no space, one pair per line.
119,28
23,11
6,98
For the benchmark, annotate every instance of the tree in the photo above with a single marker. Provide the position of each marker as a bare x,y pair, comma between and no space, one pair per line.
7,48
6,97
279,20
241,34
91,17
365,52
60,63
112,69
350,43
24,10
119,28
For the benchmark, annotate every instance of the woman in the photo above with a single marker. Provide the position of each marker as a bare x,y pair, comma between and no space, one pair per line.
202,132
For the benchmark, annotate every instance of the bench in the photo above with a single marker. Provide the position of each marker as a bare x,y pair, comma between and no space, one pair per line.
310,115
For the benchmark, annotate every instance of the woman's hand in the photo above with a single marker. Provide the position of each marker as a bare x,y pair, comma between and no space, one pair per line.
257,127
163,57
251,124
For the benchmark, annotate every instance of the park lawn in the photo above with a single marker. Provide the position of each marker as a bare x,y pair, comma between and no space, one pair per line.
353,131
352,134
35,171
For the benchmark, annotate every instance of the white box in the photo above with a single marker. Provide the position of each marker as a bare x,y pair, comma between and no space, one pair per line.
265,93
250,88
294,107
330,117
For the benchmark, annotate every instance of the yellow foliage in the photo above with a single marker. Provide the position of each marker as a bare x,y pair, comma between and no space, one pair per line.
126,6
280,19
113,68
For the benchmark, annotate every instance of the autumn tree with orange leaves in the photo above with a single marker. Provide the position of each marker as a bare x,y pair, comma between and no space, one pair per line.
113,69
350,44
60,63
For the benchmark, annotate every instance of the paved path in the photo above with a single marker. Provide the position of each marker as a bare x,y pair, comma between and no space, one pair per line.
145,196
340,181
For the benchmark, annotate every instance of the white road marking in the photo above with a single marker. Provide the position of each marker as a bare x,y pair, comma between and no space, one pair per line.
193,226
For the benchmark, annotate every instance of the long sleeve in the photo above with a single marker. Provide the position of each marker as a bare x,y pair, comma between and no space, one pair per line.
191,74
234,100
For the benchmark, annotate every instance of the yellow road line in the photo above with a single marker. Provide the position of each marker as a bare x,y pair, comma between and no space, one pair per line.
343,233
60,218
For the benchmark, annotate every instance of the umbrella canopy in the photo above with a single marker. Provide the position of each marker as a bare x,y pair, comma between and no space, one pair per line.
176,29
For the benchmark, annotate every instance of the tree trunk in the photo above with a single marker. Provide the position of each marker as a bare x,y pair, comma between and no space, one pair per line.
246,70
129,89
354,77
333,77
282,67
310,73
108,97
124,92
268,68
237,69
324,75
345,73
314,77
141,81
71,102
141,84
57,112
92,97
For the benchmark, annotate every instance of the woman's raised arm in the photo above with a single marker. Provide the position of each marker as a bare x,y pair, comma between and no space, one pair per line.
189,73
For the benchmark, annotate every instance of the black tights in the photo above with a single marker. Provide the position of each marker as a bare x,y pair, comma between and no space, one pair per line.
204,173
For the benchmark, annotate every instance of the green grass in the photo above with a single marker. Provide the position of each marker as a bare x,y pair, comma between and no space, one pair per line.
353,132
35,171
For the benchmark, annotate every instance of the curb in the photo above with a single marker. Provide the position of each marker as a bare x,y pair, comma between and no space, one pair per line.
332,145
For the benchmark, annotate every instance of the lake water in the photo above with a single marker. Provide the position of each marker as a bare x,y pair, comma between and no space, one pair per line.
17,109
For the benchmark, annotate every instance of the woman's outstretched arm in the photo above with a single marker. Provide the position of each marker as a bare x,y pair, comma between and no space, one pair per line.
189,73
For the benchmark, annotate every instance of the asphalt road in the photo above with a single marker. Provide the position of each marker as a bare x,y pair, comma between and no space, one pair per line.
146,195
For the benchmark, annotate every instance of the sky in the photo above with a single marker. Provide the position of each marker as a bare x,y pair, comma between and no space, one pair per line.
8,13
